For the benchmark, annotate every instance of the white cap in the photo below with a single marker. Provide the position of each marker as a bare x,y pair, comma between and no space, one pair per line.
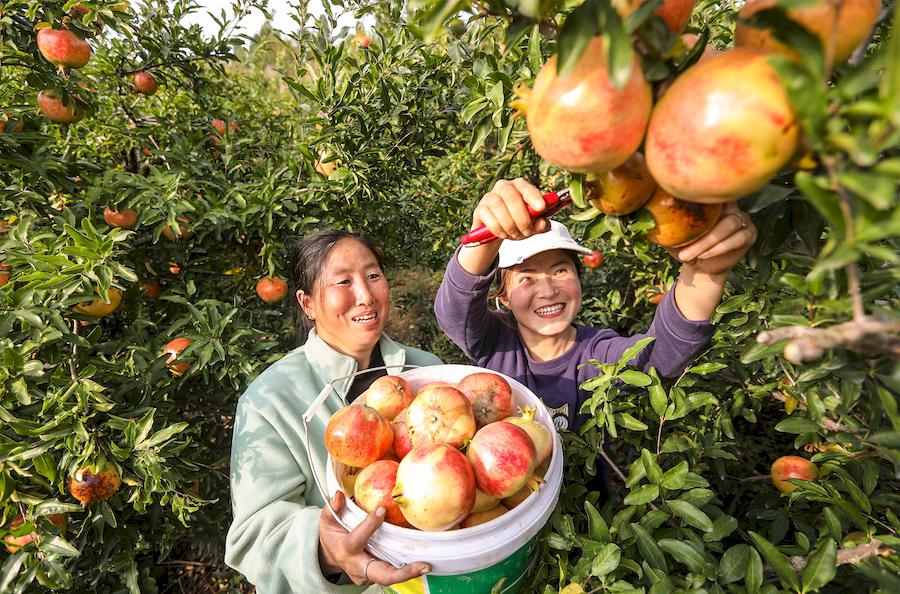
514,252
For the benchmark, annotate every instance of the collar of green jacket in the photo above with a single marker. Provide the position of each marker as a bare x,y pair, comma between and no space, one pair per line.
328,362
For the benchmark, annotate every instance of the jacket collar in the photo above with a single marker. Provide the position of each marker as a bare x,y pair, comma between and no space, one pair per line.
330,364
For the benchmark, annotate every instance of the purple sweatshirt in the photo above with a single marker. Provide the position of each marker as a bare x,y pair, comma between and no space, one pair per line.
490,339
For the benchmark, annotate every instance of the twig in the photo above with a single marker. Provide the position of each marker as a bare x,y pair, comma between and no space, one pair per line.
847,556
866,335
613,465
73,370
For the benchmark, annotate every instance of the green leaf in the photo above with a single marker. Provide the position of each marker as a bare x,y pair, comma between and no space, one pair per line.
797,425
733,564
777,560
686,553
597,528
635,378
642,495
575,34
629,422
673,478
878,190
618,43
706,368
654,472
659,400
722,527
690,514
633,351
161,436
821,567
754,578
606,560
648,548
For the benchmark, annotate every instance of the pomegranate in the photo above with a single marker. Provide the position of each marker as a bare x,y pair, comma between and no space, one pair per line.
99,308
347,476
402,442
622,190
219,125
490,395
373,488
582,121
151,289
4,273
63,48
358,436
678,222
324,166
173,348
124,219
593,260
16,127
440,414
840,25
792,467
271,289
533,485
56,111
476,518
483,501
537,431
144,83
14,543
184,232
435,487
88,486
502,457
675,13
722,129
389,395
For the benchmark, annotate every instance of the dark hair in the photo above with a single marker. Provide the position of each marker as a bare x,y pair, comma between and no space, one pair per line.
308,256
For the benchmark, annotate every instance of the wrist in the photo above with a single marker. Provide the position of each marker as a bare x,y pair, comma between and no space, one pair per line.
693,277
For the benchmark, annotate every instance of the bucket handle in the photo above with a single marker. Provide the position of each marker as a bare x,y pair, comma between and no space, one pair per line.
307,418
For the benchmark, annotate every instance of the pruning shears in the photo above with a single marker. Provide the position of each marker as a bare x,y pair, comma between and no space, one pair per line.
556,201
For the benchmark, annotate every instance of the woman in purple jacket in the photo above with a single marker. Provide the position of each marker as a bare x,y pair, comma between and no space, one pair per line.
535,340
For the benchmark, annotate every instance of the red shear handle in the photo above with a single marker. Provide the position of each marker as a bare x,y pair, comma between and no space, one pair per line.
555,201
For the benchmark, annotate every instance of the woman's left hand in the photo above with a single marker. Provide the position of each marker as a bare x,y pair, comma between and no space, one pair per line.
718,251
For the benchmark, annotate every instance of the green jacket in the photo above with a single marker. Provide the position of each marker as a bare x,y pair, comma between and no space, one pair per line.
274,537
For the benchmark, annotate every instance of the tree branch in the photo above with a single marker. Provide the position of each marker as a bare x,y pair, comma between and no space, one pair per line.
865,335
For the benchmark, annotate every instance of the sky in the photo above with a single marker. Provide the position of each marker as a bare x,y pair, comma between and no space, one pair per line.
280,10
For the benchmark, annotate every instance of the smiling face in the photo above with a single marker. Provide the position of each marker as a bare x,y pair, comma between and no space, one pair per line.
349,304
543,293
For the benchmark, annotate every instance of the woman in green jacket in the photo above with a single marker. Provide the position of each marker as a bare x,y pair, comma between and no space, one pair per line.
281,538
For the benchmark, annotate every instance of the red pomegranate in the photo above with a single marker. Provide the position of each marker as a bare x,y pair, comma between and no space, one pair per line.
722,129
402,442
841,25
144,83
582,121
271,289
676,13
56,111
537,431
389,395
503,458
435,487
124,219
373,488
491,397
358,436
173,348
440,414
63,48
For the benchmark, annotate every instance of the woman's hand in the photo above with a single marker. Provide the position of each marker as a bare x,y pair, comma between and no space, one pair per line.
709,260
504,210
716,253
342,551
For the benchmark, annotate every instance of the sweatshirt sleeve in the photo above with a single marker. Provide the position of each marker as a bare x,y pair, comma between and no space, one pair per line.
678,341
462,311
274,537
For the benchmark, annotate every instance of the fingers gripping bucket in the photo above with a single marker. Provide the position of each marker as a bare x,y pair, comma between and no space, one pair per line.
470,560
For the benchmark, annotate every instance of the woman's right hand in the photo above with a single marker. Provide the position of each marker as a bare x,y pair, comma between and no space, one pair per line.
342,551
504,210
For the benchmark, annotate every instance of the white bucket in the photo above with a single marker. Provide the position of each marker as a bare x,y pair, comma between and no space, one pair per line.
466,550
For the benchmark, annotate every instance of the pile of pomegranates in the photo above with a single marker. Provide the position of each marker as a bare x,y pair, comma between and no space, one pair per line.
447,457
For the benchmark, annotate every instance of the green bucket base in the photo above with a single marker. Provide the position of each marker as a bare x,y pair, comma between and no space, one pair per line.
514,568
